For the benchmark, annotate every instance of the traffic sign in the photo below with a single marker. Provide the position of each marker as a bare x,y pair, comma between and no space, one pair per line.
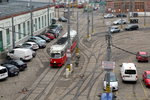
108,65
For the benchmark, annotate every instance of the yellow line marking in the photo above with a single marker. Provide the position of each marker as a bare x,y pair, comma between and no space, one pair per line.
144,90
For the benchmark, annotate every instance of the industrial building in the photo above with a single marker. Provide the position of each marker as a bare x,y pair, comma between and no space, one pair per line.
15,21
118,6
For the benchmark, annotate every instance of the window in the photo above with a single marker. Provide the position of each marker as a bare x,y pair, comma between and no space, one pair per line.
8,36
24,29
39,23
28,27
35,24
1,41
42,21
130,72
45,21
19,31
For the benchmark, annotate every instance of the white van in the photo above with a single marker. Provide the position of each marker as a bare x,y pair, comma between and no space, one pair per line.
3,72
128,72
20,53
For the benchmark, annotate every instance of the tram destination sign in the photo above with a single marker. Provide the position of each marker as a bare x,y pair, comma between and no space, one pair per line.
108,65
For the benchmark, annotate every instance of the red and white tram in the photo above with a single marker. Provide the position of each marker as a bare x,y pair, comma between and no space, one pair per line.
58,51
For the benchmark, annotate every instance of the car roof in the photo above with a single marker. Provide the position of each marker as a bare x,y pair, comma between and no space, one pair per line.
129,65
142,52
106,96
148,71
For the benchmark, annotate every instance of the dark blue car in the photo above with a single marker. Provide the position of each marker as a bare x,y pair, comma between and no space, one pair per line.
107,96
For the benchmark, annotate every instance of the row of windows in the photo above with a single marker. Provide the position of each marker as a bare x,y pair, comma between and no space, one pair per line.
24,29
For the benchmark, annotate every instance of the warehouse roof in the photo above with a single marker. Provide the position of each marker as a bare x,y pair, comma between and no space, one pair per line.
15,7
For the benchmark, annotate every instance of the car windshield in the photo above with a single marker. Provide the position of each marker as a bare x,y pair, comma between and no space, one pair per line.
55,55
130,72
3,71
19,62
148,76
112,77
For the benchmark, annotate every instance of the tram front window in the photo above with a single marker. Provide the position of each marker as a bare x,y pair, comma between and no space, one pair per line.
55,55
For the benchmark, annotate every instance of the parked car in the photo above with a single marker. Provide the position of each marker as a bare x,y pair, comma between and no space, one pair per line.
3,73
24,46
120,21
18,63
121,15
131,27
63,19
50,35
37,38
142,56
12,69
44,37
55,32
32,44
39,43
128,72
55,26
146,78
114,29
80,5
109,16
20,53
113,80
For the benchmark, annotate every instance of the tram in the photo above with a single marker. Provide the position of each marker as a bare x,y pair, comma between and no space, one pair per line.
58,51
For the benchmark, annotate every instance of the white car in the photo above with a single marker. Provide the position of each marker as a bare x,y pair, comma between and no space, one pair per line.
113,81
120,21
114,29
20,53
109,16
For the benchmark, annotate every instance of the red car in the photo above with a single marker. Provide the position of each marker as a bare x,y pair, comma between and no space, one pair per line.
146,78
142,56
50,35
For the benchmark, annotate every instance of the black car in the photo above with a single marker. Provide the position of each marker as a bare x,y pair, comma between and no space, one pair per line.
12,69
121,15
62,19
19,63
132,27
44,37
56,26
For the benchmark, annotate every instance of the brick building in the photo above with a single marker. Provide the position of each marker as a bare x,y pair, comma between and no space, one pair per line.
118,6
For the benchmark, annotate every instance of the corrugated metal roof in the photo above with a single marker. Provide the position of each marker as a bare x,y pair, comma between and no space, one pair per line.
14,6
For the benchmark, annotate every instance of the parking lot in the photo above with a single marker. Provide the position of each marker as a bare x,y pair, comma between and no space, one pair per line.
86,82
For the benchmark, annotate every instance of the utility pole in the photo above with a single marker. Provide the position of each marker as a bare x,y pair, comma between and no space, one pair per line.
88,24
77,49
68,35
48,13
13,33
144,15
92,22
31,17
122,14
108,39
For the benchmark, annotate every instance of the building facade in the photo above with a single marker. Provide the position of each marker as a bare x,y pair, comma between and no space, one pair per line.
22,26
119,6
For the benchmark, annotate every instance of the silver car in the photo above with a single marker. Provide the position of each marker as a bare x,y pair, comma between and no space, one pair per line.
114,29
120,21
109,16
